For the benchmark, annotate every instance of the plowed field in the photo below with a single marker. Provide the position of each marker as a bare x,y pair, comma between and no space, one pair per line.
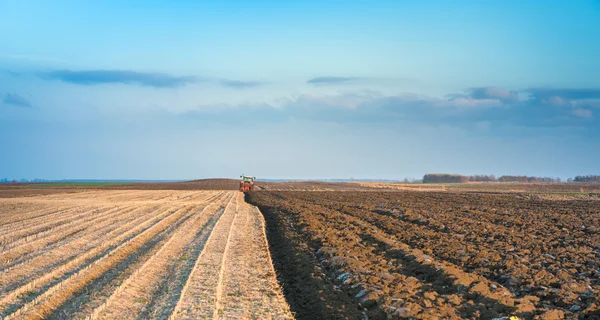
430,255
126,254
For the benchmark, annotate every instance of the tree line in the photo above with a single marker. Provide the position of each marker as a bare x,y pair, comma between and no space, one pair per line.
588,178
444,178
457,178
527,179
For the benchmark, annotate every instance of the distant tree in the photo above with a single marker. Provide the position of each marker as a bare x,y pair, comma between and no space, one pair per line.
482,178
588,178
444,178
513,179
527,179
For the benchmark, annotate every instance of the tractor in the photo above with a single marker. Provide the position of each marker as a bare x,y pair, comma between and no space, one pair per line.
247,183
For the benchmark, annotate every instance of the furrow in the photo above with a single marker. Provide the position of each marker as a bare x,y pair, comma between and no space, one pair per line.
262,264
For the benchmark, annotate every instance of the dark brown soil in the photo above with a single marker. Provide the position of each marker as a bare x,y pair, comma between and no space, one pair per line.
435,254
493,187
310,186
310,290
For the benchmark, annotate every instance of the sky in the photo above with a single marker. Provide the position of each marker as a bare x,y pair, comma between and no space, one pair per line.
298,89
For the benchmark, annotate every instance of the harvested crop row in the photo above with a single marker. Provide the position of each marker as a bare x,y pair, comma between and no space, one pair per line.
134,294
17,211
250,289
50,279
48,223
82,305
101,195
82,240
97,216
39,224
140,254
199,294
95,293
36,274
169,290
53,298
135,195
94,220
72,240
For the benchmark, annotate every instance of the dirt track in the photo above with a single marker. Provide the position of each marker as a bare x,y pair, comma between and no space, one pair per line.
428,254
108,254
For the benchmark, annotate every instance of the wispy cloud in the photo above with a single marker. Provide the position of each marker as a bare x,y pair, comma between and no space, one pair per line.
349,100
583,113
331,80
238,84
33,58
493,106
95,77
12,73
149,79
565,93
16,100
485,96
494,93
580,100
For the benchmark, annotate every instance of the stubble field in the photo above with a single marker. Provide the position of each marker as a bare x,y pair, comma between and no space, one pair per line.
108,254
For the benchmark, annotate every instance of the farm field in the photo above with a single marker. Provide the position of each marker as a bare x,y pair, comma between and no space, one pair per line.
34,189
437,254
197,249
580,190
107,254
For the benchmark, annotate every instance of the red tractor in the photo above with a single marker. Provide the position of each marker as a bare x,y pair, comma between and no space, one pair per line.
247,183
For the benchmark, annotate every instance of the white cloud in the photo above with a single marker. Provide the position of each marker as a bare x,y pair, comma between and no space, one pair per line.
464,102
583,113
557,101
346,100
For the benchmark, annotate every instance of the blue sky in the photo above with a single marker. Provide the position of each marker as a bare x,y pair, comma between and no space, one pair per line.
306,89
